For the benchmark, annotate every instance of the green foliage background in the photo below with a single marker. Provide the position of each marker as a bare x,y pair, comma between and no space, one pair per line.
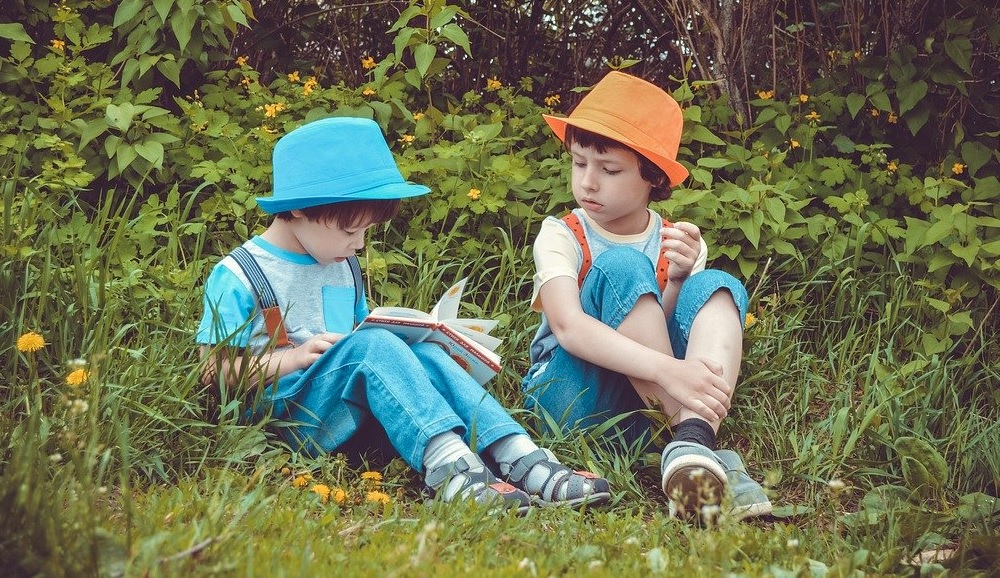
873,266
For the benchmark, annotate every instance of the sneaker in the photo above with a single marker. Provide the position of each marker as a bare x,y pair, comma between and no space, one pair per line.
746,497
693,480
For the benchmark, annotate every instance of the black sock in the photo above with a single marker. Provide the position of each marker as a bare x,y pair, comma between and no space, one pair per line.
695,430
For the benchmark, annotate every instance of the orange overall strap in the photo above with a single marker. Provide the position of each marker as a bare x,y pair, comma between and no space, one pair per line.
574,224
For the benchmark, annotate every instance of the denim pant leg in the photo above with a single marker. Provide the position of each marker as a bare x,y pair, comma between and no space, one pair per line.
579,394
485,419
369,374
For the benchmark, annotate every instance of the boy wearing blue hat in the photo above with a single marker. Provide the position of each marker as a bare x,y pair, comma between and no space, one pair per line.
283,306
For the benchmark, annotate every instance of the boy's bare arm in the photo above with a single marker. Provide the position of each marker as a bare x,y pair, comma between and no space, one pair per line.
697,384
263,369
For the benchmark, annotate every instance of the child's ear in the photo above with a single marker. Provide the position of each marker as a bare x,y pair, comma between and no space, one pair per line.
297,213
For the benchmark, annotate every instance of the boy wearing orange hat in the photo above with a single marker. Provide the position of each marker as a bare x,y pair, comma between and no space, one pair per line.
282,308
631,317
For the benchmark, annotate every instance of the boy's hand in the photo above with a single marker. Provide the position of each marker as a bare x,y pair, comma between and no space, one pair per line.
698,385
681,245
302,356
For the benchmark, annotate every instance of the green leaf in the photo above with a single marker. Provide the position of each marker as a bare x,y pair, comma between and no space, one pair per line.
715,162
750,229
910,94
181,24
701,133
975,155
922,464
163,8
917,119
844,144
423,54
15,32
855,102
127,10
960,52
152,151
782,123
455,33
120,116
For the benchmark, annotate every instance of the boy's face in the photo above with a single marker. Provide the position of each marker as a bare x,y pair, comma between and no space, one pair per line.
326,241
610,188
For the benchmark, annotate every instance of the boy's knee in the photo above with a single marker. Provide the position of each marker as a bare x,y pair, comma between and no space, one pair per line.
374,339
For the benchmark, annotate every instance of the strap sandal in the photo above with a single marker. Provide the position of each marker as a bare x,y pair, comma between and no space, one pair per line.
579,488
480,485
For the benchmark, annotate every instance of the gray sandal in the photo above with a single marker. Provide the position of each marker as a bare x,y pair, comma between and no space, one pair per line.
480,484
580,488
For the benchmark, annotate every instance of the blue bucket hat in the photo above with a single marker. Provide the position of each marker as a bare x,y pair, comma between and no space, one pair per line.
334,160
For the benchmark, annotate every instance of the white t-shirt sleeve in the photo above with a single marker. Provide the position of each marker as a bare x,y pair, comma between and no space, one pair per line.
556,253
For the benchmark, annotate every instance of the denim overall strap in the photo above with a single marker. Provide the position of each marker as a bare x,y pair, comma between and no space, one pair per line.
266,298
574,224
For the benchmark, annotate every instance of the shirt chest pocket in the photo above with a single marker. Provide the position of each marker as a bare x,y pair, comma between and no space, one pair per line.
338,309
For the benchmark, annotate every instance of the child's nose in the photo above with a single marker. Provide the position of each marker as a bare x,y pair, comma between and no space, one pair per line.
589,178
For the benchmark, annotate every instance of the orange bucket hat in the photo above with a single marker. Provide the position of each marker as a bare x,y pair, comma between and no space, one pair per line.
634,112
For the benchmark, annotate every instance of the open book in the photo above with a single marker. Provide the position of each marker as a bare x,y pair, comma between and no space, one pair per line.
467,341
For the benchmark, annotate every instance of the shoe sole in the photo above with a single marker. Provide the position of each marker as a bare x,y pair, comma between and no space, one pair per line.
752,511
596,499
691,483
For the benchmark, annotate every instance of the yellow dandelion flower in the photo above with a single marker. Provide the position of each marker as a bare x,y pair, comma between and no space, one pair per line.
309,85
814,116
321,490
300,482
368,92
406,139
339,496
875,112
245,81
750,320
377,497
286,471
368,63
493,84
958,168
370,476
765,94
241,61
59,45
293,76
474,194
552,100
892,167
77,377
893,119
803,98
795,144
30,342
418,115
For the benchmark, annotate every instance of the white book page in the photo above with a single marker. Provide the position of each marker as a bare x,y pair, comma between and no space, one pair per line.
447,307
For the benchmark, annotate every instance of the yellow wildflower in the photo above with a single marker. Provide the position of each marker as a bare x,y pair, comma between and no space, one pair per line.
301,481
30,342
245,81
272,110
418,115
368,63
892,118
750,320
833,54
552,100
309,85
795,144
958,168
368,92
803,98
78,377
376,496
892,166
765,94
323,491
59,45
241,61
474,194
339,496
293,76
286,471
369,476
493,84
814,116
857,55
405,139
875,113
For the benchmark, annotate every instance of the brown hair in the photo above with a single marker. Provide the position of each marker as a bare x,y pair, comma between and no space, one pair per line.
349,213
649,172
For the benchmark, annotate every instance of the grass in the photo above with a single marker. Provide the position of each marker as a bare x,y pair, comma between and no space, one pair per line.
130,474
